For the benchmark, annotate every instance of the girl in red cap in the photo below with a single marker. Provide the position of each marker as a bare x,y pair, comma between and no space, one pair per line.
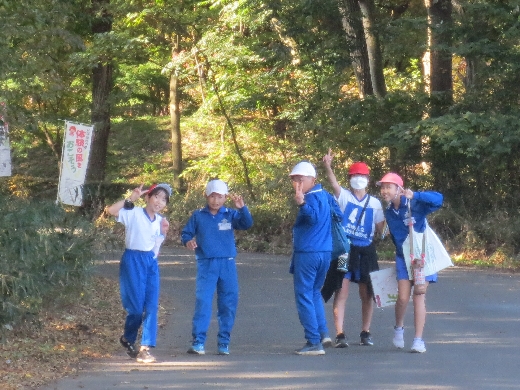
362,216
398,219
145,229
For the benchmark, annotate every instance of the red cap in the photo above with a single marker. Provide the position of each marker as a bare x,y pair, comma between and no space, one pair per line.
164,186
359,168
393,178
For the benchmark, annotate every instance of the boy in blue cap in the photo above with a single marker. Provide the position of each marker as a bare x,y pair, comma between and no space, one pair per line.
210,232
145,229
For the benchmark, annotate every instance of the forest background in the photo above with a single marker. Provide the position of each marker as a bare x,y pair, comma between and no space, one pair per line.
184,91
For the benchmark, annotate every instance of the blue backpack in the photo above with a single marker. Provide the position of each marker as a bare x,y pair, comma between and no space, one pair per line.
340,241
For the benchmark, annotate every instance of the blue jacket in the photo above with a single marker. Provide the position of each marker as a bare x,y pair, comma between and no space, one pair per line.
311,230
215,233
422,204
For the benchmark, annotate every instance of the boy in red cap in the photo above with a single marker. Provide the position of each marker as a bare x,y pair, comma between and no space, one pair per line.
398,219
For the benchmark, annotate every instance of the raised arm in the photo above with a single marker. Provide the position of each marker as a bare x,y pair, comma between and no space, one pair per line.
136,194
244,220
327,163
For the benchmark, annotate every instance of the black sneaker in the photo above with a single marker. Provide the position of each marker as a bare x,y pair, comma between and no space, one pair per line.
366,338
130,348
341,341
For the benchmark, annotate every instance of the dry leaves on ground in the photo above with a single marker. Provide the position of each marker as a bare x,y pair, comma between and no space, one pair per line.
53,345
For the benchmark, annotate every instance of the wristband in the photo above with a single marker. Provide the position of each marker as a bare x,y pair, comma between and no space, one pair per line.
128,205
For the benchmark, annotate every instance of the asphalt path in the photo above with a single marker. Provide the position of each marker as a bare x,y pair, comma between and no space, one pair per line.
472,337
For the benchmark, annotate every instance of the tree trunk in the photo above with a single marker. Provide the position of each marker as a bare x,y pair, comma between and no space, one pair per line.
467,70
351,19
175,123
100,114
375,59
439,64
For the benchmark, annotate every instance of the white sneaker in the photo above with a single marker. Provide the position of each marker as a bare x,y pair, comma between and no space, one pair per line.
418,346
144,356
398,338
326,342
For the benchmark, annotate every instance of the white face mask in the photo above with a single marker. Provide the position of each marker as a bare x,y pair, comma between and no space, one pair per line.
358,182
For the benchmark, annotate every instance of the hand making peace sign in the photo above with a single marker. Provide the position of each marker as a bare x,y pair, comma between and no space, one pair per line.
298,192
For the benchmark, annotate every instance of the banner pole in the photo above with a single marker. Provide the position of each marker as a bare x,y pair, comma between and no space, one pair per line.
61,163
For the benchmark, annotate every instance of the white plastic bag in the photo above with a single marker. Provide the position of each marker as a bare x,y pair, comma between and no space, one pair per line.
436,256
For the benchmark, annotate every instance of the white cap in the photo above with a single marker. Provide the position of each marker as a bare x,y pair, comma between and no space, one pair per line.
217,186
304,168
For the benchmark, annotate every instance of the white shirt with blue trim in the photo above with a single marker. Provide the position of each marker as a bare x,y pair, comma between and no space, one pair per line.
361,233
140,232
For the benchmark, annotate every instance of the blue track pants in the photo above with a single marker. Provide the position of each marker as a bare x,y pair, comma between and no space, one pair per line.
219,274
139,285
310,269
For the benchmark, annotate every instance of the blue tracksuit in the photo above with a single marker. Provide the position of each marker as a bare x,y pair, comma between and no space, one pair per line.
312,246
215,254
422,204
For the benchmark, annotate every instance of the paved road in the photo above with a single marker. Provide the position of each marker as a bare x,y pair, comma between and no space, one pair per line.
472,336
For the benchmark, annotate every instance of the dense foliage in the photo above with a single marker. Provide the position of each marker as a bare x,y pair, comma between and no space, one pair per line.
263,84
45,250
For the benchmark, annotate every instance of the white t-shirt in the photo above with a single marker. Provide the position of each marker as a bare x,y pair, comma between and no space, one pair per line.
361,233
140,232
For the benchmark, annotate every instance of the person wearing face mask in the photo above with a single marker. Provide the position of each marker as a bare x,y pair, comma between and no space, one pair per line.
362,217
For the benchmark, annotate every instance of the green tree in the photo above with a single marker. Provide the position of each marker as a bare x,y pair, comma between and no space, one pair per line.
37,79
102,83
438,61
165,31
352,19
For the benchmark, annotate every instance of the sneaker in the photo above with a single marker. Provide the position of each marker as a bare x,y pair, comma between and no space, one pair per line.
311,349
197,349
418,346
130,348
144,356
326,341
398,337
223,349
366,338
341,341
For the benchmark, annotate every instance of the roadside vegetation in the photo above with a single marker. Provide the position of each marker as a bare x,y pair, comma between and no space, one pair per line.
182,92
56,313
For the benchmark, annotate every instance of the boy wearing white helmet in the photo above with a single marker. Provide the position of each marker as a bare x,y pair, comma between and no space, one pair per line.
210,233
398,218
363,216
145,230
312,246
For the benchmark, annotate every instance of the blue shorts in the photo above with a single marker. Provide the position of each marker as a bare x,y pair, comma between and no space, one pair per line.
402,271
357,275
